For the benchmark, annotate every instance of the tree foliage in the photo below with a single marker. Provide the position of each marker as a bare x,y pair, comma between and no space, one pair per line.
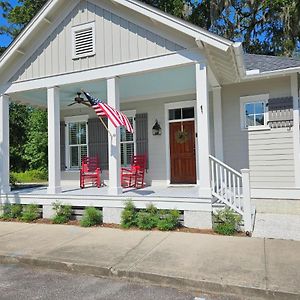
36,146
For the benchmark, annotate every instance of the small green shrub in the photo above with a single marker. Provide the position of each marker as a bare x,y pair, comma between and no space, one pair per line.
92,216
11,211
63,213
16,211
146,220
169,220
226,221
129,215
5,212
30,213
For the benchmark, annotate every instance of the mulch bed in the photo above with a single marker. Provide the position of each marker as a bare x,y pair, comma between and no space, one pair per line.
115,226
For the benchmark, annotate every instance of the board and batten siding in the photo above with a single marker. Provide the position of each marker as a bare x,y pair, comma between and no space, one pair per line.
271,158
118,40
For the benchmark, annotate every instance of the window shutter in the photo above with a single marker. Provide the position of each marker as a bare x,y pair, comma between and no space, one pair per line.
62,146
280,112
98,142
141,121
83,39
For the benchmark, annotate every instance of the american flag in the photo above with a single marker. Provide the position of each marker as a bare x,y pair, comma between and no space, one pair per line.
103,110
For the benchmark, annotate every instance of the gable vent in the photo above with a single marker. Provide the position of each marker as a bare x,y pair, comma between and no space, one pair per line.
83,40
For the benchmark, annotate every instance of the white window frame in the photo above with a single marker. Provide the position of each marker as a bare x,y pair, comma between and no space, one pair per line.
80,28
74,119
252,99
131,114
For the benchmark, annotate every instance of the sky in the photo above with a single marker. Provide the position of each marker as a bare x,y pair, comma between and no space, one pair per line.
4,39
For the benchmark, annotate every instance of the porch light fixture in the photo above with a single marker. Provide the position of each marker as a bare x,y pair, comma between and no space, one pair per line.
156,129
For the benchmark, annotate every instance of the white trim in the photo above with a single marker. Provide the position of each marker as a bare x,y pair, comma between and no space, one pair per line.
4,144
54,166
168,106
296,133
251,99
276,193
203,132
68,120
183,57
79,118
131,114
83,27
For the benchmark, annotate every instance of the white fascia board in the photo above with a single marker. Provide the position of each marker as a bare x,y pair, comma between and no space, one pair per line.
179,58
239,58
27,30
275,73
176,23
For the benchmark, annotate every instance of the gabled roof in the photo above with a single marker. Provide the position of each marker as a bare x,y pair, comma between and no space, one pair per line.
226,58
267,63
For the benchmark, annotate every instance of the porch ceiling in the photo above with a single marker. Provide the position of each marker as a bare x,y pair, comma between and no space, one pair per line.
167,82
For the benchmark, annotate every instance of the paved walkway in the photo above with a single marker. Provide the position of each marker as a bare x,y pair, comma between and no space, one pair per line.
244,266
277,226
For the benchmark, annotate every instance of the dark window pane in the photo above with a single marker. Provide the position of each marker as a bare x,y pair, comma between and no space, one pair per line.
175,114
260,119
249,121
188,113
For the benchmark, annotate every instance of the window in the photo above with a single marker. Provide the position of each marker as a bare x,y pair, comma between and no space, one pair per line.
254,113
128,141
76,141
83,40
181,113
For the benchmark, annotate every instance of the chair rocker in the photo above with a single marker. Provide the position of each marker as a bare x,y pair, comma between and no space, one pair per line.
90,172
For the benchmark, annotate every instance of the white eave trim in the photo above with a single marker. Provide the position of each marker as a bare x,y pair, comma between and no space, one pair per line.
274,73
158,16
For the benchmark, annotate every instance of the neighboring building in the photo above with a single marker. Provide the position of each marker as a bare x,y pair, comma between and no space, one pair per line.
237,111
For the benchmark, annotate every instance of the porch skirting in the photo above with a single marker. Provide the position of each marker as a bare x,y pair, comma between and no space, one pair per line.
196,211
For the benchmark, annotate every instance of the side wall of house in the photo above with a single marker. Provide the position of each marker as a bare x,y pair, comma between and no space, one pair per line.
268,153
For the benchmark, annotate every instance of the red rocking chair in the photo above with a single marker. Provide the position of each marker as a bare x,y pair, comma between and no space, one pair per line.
134,176
90,172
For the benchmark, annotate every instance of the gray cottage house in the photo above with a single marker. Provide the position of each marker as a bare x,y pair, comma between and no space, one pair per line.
240,112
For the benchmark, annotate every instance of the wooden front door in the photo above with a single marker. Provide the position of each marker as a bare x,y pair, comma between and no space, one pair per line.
182,152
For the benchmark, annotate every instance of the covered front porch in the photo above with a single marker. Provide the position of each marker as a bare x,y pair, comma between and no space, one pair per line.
155,91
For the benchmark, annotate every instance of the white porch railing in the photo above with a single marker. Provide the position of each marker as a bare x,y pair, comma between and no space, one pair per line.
232,189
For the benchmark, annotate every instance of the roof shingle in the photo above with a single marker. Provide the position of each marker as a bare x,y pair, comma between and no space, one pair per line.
266,63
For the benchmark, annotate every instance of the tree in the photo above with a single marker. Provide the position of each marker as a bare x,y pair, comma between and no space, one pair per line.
18,122
19,16
36,146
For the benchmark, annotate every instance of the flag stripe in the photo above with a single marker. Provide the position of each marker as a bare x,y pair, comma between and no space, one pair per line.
114,116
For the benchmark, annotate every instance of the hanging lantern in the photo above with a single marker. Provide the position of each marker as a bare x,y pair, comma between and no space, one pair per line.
156,129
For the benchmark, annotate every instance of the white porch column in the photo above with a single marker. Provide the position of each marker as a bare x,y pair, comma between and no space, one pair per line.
54,176
203,144
218,128
4,144
114,152
295,95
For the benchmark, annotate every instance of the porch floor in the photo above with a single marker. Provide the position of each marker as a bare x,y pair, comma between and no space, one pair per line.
149,191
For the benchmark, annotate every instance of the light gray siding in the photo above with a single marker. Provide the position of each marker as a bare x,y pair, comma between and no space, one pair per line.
118,40
271,158
236,140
